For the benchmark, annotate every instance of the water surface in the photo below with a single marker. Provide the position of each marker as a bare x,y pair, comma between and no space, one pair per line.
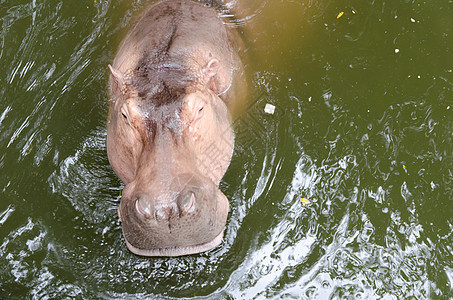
362,130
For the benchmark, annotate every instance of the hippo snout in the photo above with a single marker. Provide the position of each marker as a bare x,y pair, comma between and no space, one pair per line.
185,218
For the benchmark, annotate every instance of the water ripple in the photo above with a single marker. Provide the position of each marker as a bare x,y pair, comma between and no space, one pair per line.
371,152
6,213
79,180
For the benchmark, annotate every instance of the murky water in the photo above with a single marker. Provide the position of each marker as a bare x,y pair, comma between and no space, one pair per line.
362,130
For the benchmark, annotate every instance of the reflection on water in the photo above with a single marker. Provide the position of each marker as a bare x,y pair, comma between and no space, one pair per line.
363,134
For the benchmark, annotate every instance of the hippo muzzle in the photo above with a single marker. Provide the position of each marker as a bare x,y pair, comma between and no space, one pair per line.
187,218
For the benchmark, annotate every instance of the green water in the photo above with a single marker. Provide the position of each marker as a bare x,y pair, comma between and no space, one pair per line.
362,129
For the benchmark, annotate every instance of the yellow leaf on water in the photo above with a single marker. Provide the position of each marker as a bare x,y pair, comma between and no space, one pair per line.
340,14
304,201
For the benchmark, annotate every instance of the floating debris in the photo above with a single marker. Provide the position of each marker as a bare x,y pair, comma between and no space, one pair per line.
412,20
269,109
340,14
354,11
397,50
304,201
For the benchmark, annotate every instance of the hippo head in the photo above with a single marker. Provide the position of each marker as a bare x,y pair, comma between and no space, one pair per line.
170,141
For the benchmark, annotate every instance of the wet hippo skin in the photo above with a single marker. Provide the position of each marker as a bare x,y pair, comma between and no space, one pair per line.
169,137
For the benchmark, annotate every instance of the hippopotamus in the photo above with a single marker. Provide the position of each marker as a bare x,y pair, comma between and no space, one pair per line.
169,134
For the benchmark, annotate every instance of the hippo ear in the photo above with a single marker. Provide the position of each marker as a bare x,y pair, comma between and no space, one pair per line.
209,72
117,80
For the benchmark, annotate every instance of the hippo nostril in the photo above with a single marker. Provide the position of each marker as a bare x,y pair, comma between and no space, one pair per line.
142,208
186,202
137,207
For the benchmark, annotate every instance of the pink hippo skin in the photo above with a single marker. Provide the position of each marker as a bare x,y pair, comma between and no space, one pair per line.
169,137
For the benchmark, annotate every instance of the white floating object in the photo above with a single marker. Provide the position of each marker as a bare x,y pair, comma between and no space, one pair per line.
269,109
412,20
397,50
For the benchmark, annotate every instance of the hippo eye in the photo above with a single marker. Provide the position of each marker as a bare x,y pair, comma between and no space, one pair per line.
198,114
125,118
